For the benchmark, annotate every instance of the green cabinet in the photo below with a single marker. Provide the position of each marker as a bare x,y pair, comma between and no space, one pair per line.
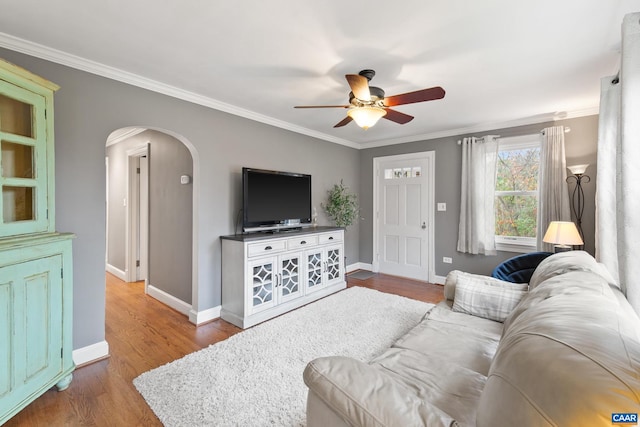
35,319
36,269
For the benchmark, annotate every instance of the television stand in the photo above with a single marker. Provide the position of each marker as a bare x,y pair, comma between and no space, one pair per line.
265,275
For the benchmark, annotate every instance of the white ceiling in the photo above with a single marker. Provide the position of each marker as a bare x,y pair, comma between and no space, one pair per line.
501,62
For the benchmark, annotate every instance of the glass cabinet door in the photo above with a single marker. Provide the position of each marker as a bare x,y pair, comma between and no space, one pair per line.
23,168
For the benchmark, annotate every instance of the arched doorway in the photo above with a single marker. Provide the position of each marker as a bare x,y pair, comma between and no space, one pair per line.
151,198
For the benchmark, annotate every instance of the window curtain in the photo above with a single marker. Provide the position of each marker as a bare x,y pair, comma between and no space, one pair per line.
553,197
476,230
618,192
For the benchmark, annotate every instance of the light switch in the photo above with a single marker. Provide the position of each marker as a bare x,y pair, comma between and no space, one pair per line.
442,207
185,179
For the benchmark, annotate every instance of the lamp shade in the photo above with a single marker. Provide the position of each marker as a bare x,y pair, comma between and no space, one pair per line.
578,169
366,116
562,233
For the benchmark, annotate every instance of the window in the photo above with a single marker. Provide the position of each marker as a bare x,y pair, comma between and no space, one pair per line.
516,193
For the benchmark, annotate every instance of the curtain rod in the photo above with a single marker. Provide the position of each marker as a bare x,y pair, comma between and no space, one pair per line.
482,137
567,129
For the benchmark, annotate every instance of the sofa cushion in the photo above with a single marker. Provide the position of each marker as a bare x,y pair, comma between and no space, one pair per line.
473,347
368,395
574,284
563,262
486,297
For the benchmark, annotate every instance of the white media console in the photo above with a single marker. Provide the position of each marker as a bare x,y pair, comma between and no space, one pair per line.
267,274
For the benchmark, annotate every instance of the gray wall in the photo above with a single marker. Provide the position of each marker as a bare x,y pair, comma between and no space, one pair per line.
116,217
580,145
170,216
88,108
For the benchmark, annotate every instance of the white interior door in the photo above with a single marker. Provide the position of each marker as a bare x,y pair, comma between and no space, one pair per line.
404,215
137,222
143,219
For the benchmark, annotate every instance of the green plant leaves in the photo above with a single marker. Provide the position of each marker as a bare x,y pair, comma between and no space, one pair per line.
342,206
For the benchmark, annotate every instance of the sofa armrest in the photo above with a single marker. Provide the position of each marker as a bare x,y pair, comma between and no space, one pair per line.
364,395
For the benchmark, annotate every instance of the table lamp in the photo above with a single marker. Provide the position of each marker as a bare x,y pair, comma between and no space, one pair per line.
563,235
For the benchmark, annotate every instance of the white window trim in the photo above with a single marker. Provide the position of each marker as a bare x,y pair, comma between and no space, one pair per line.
514,243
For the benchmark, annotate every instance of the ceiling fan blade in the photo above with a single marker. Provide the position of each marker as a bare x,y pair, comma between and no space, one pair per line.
321,106
359,86
397,116
344,121
413,97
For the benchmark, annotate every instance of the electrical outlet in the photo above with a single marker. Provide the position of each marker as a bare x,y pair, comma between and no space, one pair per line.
447,260
442,207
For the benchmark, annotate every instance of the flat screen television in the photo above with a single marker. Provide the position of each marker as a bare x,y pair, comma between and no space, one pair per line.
275,200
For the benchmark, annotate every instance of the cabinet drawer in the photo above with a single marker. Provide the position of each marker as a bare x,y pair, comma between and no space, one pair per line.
330,237
264,248
302,242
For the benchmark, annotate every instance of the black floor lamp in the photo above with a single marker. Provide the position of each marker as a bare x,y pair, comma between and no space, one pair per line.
577,197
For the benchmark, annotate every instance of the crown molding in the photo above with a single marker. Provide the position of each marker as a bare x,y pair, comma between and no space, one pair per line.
44,52
63,58
483,127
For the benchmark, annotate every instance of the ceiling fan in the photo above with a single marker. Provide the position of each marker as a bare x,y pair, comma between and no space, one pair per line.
367,104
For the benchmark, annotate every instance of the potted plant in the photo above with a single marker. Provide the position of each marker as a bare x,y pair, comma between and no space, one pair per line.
342,206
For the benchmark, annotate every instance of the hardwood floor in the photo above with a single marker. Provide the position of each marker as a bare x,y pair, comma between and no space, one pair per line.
143,334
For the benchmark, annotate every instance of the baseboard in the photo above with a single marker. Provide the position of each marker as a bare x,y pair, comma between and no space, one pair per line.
359,266
439,279
200,317
173,302
91,353
116,272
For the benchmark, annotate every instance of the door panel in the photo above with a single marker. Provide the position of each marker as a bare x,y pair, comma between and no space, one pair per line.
413,205
391,205
263,284
290,278
6,336
403,217
32,291
391,248
314,270
414,251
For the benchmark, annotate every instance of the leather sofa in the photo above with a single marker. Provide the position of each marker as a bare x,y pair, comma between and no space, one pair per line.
567,354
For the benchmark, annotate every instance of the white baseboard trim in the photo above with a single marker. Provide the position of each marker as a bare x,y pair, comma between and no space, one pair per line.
173,302
439,279
359,266
90,353
200,317
116,272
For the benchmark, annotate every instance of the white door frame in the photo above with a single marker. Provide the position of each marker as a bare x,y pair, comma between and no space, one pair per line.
430,156
133,212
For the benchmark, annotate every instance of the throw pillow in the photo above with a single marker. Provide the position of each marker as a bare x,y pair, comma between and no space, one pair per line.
450,285
486,297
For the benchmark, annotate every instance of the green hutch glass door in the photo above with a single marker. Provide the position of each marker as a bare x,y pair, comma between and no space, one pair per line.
23,177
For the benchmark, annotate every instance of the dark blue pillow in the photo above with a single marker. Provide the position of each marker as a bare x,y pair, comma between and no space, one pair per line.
519,269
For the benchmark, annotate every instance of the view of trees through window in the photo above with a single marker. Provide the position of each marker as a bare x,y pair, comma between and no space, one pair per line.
516,202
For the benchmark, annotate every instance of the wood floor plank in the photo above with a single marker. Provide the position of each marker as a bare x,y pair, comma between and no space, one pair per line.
143,334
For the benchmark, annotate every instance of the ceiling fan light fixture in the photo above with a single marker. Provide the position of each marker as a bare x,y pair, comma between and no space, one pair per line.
366,116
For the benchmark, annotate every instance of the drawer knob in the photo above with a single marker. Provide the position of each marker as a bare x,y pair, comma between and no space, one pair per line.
267,248
304,242
331,238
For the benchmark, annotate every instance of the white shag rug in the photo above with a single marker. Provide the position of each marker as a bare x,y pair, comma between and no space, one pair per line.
254,378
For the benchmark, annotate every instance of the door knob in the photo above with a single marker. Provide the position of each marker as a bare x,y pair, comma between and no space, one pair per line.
424,225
